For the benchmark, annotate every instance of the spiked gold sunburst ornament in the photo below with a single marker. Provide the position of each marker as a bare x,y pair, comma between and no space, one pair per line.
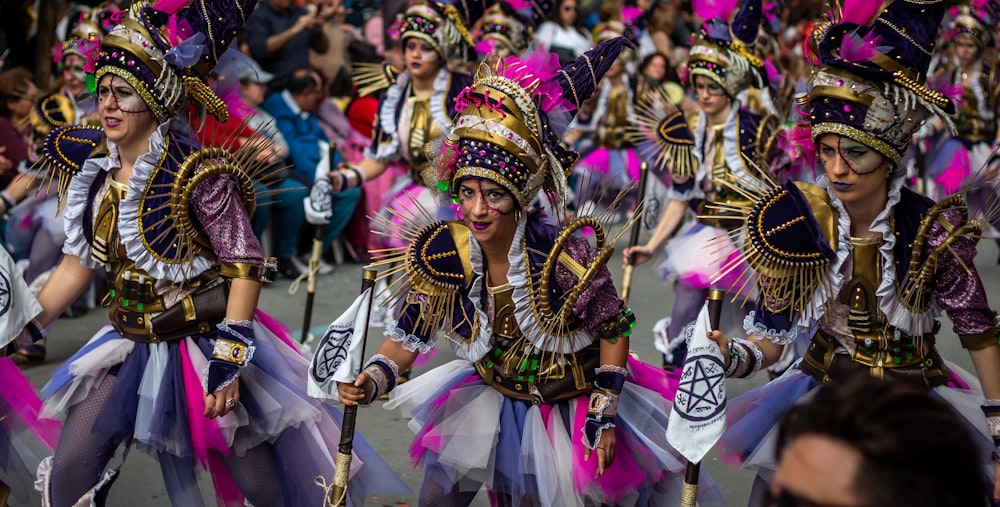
789,240
662,136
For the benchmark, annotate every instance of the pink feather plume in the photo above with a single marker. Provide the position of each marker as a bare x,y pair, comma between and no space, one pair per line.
860,12
519,5
486,46
800,139
538,69
943,85
170,6
855,48
710,9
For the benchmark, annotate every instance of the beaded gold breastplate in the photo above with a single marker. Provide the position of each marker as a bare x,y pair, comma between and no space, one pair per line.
616,119
422,130
132,298
516,368
878,345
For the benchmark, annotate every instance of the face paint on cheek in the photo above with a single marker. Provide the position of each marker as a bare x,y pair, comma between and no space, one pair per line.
128,101
499,208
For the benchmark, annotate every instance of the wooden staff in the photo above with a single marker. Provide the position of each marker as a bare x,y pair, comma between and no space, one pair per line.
689,492
636,229
338,493
317,252
314,258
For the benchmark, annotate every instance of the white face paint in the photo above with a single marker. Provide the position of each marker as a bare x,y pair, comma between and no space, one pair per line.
115,89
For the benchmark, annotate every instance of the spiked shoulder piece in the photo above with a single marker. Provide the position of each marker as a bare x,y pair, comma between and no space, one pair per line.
663,136
62,154
790,243
373,78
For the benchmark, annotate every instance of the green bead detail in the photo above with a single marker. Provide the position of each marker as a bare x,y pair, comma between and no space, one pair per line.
531,378
612,340
443,185
534,364
897,359
125,303
489,364
497,352
139,307
520,377
112,291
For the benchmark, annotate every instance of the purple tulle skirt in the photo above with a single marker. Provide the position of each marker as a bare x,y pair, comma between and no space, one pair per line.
25,437
157,402
751,437
535,454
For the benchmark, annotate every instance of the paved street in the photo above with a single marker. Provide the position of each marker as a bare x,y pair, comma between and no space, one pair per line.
141,484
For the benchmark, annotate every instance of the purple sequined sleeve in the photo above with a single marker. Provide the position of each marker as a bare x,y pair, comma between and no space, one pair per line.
599,301
959,292
217,204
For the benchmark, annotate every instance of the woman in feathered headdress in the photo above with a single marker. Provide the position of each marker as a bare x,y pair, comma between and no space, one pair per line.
188,370
700,158
859,260
544,405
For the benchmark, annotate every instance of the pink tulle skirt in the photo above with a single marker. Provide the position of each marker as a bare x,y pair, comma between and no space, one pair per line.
472,435
25,437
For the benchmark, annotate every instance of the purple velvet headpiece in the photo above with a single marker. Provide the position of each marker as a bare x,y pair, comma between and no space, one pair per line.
870,85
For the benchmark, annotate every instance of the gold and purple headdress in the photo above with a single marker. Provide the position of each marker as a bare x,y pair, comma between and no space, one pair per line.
720,50
971,21
445,26
509,121
167,50
872,69
501,25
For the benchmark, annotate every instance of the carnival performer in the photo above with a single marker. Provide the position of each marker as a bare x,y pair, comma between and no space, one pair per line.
861,260
727,143
417,104
35,229
189,370
544,405
953,159
610,163
506,31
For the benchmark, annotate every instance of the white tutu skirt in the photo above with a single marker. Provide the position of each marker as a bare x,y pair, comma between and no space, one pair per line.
752,434
535,454
157,403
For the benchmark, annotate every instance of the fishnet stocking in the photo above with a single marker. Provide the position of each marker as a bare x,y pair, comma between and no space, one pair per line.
256,473
433,494
82,455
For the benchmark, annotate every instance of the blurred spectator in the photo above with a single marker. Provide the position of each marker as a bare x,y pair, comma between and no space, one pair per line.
654,68
253,88
876,442
294,111
279,35
17,95
563,33
335,63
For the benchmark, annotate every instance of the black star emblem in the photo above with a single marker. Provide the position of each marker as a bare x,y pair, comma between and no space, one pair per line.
5,293
331,352
702,390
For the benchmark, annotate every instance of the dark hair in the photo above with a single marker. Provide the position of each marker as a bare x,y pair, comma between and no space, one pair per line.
578,24
303,80
669,71
914,449
12,87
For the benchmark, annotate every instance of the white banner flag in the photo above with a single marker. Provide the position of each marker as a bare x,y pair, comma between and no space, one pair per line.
340,352
17,305
699,414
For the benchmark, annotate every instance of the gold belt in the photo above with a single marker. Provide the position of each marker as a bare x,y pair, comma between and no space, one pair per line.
914,364
575,378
